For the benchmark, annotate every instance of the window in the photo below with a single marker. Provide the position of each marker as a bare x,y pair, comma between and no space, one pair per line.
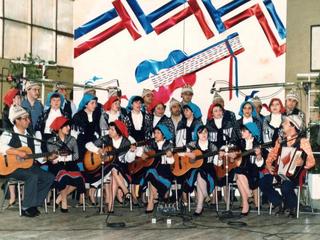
42,27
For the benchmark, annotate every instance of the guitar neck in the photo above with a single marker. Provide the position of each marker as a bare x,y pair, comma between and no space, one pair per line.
197,61
246,153
127,147
173,150
208,154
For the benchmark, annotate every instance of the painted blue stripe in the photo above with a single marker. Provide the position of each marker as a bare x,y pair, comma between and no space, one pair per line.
231,6
94,23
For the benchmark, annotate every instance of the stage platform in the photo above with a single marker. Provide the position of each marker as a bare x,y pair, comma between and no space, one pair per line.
91,225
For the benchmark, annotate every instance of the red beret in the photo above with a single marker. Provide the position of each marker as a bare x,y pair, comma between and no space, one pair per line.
58,123
107,105
122,127
8,98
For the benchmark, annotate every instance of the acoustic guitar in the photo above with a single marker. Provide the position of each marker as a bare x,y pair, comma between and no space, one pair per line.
141,163
11,162
233,163
93,161
182,164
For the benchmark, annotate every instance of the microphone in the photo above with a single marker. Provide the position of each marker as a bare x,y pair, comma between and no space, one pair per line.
213,89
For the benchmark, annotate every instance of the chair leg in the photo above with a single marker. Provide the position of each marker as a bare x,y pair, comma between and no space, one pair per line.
176,192
19,199
83,202
130,199
270,209
5,194
229,197
259,201
189,202
298,202
217,200
54,200
46,205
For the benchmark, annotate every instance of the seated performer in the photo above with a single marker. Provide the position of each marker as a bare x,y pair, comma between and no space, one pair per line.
65,168
118,168
159,174
205,175
247,174
37,182
293,133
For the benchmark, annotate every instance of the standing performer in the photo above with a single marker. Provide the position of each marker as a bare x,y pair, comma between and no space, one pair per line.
159,174
248,114
37,182
217,99
175,110
186,94
85,128
292,101
65,168
272,123
12,98
294,138
112,111
31,102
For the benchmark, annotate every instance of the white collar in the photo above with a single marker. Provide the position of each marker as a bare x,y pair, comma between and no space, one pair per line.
203,145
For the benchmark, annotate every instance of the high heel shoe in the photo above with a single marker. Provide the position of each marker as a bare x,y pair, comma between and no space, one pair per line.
196,214
64,210
245,214
10,205
149,211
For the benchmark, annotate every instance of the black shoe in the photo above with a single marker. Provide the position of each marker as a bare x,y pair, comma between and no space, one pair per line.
279,210
28,213
245,213
292,213
195,214
36,211
149,211
64,210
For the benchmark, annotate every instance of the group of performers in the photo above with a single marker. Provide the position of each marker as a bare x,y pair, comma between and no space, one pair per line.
142,133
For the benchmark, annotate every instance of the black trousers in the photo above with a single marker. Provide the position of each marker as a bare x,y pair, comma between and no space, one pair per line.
37,184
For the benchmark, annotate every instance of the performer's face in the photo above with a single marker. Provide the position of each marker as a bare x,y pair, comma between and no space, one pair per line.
115,106
17,100
158,135
159,110
63,92
247,110
287,127
203,136
187,113
291,104
65,130
245,134
258,107
34,92
148,98
55,102
112,132
23,121
217,112
91,106
187,96
175,109
136,105
275,107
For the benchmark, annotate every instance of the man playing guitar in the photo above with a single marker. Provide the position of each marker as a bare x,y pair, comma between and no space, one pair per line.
292,129
37,182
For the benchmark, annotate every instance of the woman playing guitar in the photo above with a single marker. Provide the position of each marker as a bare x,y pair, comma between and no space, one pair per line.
117,169
247,174
205,175
159,175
